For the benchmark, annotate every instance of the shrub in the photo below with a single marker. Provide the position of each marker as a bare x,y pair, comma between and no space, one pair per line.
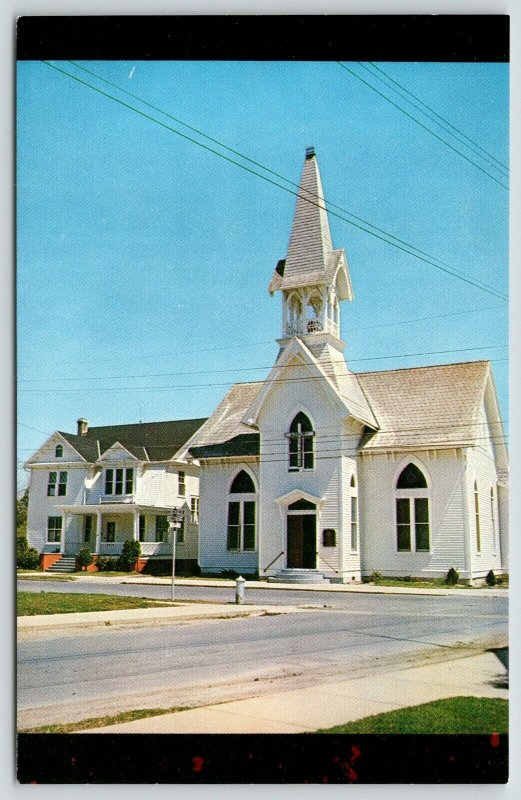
129,555
452,577
229,573
375,577
28,558
85,557
107,565
491,578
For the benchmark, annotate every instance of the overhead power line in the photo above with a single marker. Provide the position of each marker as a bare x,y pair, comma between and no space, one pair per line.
246,369
437,118
200,350
385,237
309,194
425,127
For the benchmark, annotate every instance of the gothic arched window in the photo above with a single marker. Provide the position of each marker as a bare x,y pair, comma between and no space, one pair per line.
412,511
476,515
354,514
301,450
58,453
314,307
241,513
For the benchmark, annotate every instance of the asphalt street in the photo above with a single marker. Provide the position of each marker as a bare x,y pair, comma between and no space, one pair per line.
340,633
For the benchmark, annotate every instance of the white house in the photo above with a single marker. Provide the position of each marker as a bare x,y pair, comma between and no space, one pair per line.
335,475
104,485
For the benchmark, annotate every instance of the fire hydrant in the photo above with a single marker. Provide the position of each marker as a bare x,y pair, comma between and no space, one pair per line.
239,590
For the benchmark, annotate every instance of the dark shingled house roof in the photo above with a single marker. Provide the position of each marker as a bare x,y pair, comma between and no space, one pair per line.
147,441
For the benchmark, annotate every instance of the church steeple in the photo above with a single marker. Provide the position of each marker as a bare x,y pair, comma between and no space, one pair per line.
313,278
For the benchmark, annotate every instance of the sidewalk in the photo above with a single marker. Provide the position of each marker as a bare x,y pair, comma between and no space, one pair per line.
322,706
359,588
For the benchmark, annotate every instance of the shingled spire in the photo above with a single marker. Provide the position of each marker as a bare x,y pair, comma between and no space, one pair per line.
313,277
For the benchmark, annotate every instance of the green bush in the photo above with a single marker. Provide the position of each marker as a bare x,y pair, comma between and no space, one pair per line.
375,577
85,557
28,558
229,573
491,579
452,577
107,565
129,555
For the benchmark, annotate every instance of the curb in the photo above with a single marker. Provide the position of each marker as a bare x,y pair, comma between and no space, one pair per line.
144,616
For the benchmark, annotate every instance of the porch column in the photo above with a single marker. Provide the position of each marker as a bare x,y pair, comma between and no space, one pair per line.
65,523
136,526
98,532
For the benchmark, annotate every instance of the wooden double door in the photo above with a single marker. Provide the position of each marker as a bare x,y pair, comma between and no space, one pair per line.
302,541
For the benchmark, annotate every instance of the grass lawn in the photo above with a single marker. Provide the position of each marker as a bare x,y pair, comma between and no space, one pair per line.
32,603
478,715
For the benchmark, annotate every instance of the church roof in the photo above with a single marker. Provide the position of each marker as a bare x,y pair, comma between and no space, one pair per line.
417,407
425,406
311,259
225,425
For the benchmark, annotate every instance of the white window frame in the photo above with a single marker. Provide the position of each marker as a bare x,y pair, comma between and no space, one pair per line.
113,481
181,485
301,437
477,518
54,487
56,528
355,526
493,518
241,498
88,527
112,524
160,531
194,510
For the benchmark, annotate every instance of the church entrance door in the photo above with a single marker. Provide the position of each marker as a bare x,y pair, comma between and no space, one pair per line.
302,541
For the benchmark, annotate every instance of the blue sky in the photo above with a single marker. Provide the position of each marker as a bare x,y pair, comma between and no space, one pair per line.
143,260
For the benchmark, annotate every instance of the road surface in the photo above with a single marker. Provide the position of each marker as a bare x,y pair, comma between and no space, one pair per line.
74,676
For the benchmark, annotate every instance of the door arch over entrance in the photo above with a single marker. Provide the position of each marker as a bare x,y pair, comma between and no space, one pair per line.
301,535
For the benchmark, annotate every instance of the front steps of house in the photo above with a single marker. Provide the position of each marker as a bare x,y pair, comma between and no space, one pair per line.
299,576
64,564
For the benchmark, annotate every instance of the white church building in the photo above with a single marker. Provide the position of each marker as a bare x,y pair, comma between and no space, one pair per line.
321,473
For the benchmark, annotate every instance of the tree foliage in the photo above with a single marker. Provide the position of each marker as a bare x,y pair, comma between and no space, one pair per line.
129,555
26,557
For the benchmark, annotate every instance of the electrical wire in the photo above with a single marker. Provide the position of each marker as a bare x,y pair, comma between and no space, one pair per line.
263,368
258,164
270,341
436,118
340,63
450,271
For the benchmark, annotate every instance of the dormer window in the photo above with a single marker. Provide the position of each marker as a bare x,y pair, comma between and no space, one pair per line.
58,452
119,481
301,450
